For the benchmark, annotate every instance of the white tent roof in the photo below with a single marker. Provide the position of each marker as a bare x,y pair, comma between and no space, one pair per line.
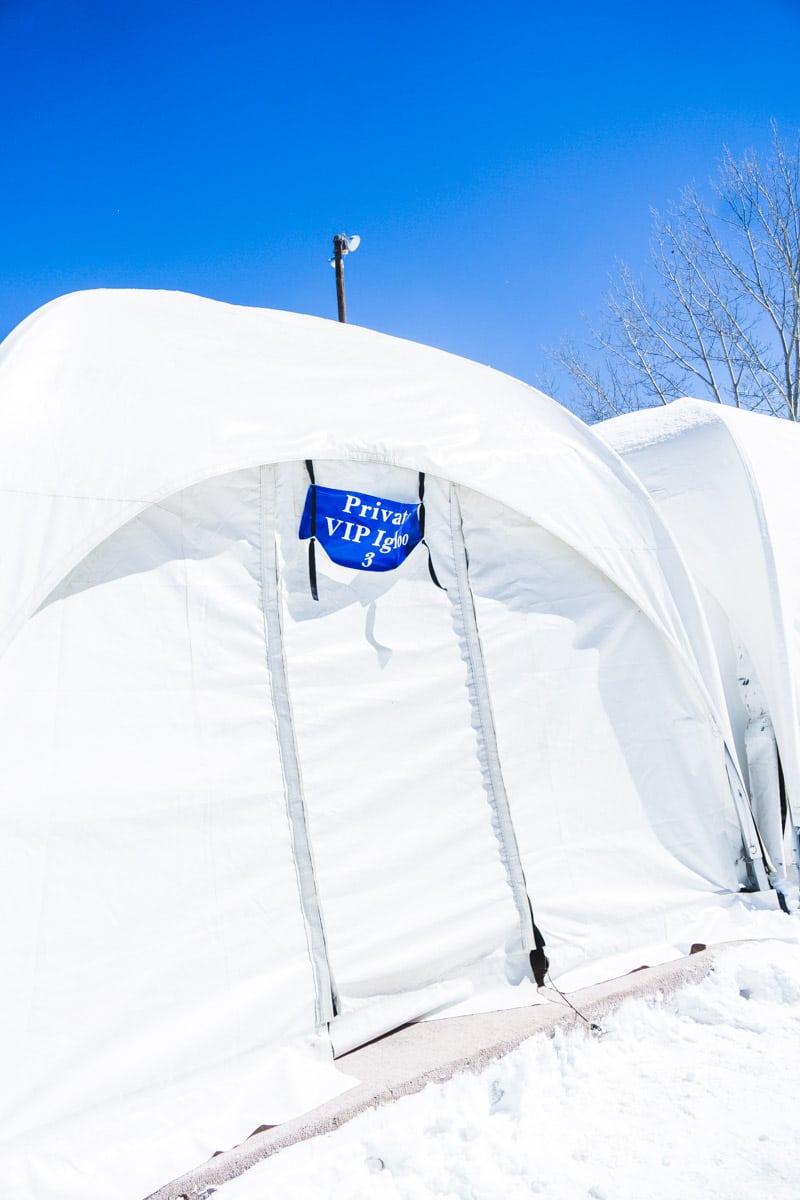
728,484
111,400
223,797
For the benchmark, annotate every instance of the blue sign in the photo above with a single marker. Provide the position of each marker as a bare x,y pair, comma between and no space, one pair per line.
361,531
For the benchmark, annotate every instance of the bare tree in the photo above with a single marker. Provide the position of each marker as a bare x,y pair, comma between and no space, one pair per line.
722,321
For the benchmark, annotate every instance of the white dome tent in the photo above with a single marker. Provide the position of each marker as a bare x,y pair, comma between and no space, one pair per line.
239,820
727,482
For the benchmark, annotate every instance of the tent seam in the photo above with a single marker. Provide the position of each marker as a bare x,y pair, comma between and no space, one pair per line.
291,771
498,796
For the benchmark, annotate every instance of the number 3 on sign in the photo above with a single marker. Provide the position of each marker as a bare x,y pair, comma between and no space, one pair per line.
368,557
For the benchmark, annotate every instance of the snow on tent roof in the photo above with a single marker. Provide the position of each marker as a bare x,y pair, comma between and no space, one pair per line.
728,485
260,801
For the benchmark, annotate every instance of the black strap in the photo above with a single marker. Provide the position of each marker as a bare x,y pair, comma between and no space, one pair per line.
422,529
782,790
312,552
785,813
540,963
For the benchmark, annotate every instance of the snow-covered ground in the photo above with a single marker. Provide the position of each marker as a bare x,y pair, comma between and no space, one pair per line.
693,1096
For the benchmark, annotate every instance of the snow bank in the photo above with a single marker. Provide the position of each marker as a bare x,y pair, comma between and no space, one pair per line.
692,1095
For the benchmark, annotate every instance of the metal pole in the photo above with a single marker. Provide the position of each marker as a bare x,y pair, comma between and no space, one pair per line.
339,264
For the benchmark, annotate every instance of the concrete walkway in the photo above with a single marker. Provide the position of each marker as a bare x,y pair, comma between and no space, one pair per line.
432,1051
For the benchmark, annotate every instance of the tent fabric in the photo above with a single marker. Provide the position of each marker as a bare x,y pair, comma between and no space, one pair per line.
141,394
233,814
726,482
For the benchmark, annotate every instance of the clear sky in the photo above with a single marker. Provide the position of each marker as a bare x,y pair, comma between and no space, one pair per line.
495,159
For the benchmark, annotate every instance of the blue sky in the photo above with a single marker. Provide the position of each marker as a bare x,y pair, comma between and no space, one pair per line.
494,159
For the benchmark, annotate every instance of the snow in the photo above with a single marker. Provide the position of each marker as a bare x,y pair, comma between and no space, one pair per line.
646,427
691,1095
